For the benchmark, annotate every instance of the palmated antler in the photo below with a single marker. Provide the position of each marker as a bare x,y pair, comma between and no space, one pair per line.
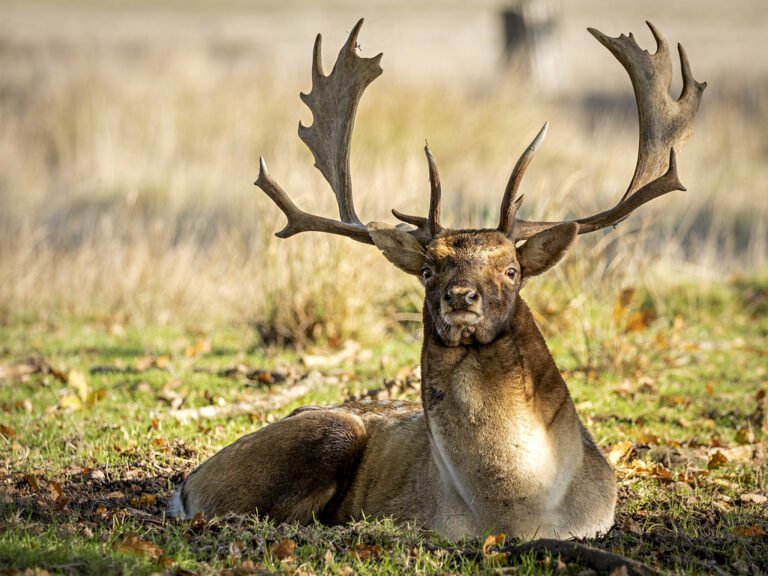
665,125
333,101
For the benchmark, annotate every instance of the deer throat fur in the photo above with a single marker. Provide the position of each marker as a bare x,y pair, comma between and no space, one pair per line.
504,433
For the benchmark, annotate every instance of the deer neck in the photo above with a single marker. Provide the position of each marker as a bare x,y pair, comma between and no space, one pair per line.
501,421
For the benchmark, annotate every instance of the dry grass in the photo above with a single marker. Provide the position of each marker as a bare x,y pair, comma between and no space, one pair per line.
125,186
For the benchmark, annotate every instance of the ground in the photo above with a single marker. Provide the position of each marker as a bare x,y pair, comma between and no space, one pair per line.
98,421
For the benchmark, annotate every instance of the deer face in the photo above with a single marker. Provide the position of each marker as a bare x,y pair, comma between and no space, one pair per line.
472,278
471,281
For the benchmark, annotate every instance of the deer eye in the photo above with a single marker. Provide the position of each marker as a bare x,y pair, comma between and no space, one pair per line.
426,272
510,272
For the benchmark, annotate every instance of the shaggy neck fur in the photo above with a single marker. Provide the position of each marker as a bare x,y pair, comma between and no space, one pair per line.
502,425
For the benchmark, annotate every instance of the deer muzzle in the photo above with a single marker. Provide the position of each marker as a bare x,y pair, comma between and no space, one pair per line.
461,305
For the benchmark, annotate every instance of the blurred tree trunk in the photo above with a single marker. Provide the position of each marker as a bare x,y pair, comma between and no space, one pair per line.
531,41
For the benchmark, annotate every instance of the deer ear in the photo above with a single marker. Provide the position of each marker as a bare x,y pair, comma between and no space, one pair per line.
399,247
545,249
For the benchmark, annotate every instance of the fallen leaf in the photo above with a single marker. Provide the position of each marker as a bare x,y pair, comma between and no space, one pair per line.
7,431
491,541
237,548
76,380
622,303
70,402
143,500
246,567
745,435
282,550
202,346
60,501
638,468
648,439
33,482
749,531
621,453
639,320
365,551
132,544
742,454
56,490
716,460
753,498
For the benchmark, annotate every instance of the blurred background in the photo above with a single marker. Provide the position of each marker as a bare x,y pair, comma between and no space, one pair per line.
130,134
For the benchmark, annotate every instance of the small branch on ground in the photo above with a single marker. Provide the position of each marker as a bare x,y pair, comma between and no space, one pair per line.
601,561
310,382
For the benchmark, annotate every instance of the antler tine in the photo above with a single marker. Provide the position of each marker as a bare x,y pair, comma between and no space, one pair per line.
435,194
510,204
666,124
300,221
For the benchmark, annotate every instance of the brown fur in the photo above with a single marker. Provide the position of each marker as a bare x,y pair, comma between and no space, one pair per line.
495,445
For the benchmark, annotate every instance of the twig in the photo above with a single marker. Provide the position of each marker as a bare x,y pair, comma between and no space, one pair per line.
310,382
602,561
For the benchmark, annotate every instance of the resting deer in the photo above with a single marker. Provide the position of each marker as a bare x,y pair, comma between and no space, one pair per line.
496,443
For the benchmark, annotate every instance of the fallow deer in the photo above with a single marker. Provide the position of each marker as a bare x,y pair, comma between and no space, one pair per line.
495,443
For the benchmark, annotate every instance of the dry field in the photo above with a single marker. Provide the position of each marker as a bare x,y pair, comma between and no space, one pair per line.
136,254
130,137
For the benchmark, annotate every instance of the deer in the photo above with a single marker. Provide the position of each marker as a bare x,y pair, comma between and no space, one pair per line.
495,444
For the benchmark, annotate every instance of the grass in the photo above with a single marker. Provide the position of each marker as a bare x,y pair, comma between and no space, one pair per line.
661,402
139,275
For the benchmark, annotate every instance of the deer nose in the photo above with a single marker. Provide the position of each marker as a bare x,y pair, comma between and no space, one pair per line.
461,297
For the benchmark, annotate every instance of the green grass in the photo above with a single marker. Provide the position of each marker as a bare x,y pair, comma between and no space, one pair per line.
686,382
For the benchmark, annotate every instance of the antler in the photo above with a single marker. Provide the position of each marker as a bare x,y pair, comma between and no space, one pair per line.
333,101
665,125
511,203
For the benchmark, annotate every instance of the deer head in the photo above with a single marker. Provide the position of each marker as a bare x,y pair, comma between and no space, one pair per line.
472,277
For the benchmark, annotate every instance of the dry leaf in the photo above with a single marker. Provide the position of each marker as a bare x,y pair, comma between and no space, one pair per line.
76,380
202,346
716,460
132,544
491,541
60,501
7,431
282,550
237,548
621,453
622,303
749,531
639,320
753,498
641,469
745,435
56,490
365,551
33,482
144,500
70,402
